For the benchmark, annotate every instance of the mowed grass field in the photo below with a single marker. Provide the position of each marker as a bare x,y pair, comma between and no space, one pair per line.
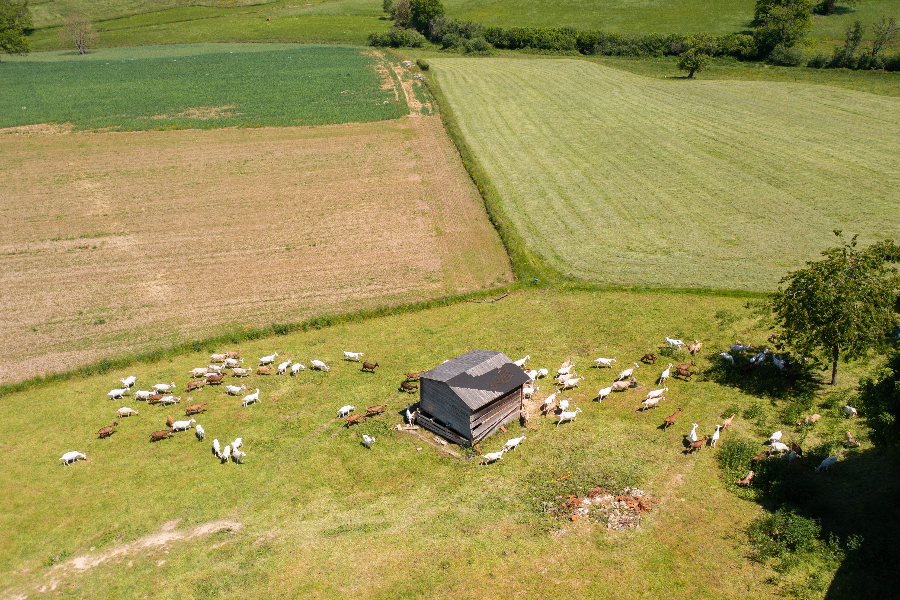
312,513
115,243
201,86
616,178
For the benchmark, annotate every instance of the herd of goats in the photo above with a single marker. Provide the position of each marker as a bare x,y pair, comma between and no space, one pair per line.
565,378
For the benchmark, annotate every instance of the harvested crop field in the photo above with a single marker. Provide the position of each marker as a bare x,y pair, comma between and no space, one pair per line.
617,178
122,242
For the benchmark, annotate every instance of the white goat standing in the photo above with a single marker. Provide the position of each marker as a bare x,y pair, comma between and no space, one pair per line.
650,403
353,355
715,436
164,387
657,393
674,343
200,432
345,410
727,356
117,393
568,416
237,455
368,441
665,374
604,362
226,454
251,398
826,464
233,390
627,372
142,394
850,411
492,456
571,383
237,443
693,434
216,448
70,457
604,393
318,365
129,381
182,425
513,443
283,367
126,412
296,368
268,360
543,373
521,362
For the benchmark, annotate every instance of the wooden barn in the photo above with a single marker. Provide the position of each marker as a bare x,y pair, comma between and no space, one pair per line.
468,398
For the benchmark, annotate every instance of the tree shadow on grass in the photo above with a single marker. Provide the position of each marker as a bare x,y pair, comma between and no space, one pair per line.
765,380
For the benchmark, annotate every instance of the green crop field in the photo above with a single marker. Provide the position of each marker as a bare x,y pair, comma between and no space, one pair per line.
617,178
207,86
312,513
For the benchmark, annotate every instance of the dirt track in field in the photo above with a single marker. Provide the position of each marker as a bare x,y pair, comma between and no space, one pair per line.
122,242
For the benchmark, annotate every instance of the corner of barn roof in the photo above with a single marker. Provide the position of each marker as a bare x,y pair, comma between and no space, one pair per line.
479,376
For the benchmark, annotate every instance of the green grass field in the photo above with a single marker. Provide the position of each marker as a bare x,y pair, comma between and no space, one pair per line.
313,514
623,179
205,86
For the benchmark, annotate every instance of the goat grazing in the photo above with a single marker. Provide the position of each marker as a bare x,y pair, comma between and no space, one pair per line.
369,367
237,443
318,365
268,360
368,441
674,343
513,443
162,388
200,432
107,431
160,435
226,454
810,419
126,412
547,406
283,367
746,480
182,425
542,373
627,373
827,463
528,391
352,355
194,409
70,457
779,447
521,362
345,410
775,436
129,382
852,441
250,398
117,393
727,357
850,411
727,421
238,456
296,368
233,390
737,347
649,358
568,416
670,420
408,387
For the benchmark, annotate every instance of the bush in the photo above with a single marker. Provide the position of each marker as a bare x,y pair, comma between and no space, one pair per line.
444,25
782,533
739,46
753,411
892,63
787,56
449,41
476,46
818,61
422,64
733,456
398,37
879,396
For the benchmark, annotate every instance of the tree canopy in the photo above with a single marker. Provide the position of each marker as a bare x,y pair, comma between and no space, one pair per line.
840,306
692,61
781,23
423,11
15,20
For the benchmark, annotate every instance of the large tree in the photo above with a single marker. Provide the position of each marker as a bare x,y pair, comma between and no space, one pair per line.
423,11
78,30
842,305
15,20
781,23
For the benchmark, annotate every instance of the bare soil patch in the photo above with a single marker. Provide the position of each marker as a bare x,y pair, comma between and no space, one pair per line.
41,128
202,112
122,242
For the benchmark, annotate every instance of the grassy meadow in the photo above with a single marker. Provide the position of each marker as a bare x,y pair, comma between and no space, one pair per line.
623,179
205,86
312,513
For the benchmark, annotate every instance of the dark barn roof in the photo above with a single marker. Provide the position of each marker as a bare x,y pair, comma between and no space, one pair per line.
479,376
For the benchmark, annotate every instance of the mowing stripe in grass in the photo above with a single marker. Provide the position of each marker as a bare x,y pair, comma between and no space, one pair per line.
622,179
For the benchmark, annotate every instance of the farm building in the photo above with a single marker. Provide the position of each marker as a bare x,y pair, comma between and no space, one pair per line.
468,398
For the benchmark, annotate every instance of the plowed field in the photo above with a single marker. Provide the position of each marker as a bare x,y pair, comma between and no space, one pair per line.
121,242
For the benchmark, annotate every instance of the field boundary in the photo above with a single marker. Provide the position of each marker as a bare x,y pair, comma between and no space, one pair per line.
526,265
245,334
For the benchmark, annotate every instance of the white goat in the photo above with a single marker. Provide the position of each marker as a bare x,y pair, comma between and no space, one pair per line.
296,368
268,360
674,343
233,390
226,454
532,374
715,436
604,362
850,411
169,400
650,403
283,367
198,372
318,365
237,443
565,370
216,449
738,348
368,441
727,356
70,457
182,425
345,410
164,387
779,447
548,401
563,405
568,416
214,368
353,355
231,363
492,457
775,437
543,373
142,394
218,357
238,372
529,391
521,362
129,381
657,393
126,412
779,364
117,393
563,378
664,376
513,443
627,372
826,464
604,393
250,398
693,434
200,432
572,383
237,455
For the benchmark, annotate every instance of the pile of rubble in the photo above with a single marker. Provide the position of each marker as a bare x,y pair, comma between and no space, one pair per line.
622,511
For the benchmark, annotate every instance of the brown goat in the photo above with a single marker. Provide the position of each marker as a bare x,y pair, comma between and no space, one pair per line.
746,480
810,419
760,456
695,348
215,379
727,421
169,420
698,445
263,370
620,386
413,376
375,410
233,354
369,367
685,373
154,398
408,387
851,441
795,447
108,431
195,385
353,420
160,435
649,358
685,366
670,420
194,408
